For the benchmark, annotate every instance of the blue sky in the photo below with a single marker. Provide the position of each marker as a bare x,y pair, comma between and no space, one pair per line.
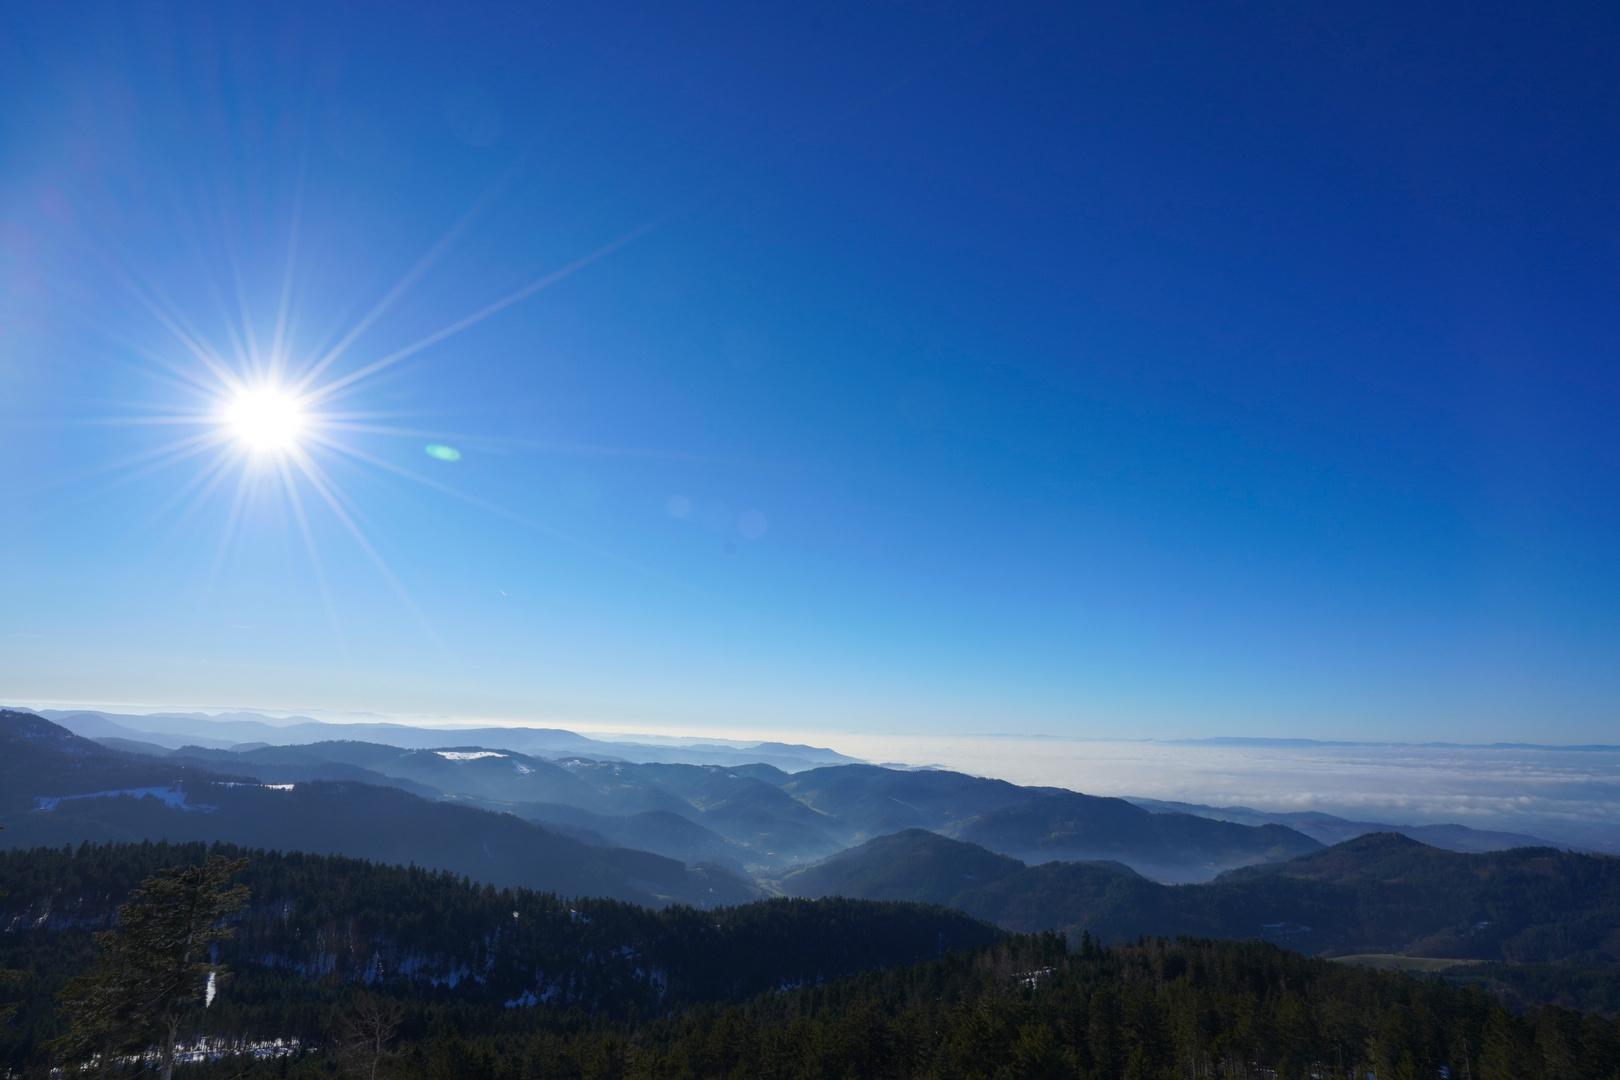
1197,370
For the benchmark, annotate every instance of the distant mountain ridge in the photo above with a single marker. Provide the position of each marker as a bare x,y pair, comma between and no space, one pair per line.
913,865
243,730
225,730
1331,829
1069,826
1380,893
56,788
761,820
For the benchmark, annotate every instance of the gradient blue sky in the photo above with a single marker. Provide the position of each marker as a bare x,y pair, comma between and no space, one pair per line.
1179,371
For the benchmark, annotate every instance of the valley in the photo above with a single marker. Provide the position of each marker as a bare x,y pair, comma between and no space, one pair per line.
754,819
712,836
482,881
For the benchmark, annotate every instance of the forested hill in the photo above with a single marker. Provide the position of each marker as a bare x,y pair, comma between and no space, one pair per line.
1016,1009
334,921
57,788
759,820
1379,893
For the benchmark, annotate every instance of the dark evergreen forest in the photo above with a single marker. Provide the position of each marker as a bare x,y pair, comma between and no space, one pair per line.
341,967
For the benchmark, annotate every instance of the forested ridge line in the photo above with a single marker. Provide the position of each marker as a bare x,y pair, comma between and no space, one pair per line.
305,963
1027,1008
319,923
1378,893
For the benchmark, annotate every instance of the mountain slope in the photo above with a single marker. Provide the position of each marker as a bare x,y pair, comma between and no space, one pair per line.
660,831
871,800
417,932
1377,894
57,788
513,984
464,770
752,821
1173,847
1038,824
911,865
769,821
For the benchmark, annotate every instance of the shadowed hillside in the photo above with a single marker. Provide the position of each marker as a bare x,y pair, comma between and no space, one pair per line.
760,820
479,984
58,788
1381,893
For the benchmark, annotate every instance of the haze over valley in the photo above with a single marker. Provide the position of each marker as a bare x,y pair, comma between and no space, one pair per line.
1331,791
717,835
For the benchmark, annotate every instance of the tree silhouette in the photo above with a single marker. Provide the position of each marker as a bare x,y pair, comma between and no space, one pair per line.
151,970
365,1037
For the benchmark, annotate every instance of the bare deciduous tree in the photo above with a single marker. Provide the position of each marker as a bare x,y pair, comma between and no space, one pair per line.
365,1037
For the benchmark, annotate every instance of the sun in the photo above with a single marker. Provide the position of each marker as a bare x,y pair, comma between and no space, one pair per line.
268,409
265,419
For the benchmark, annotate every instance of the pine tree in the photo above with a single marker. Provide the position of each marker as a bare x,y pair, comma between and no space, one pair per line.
103,1007
151,970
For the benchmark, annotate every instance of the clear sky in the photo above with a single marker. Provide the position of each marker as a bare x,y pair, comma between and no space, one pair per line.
1111,370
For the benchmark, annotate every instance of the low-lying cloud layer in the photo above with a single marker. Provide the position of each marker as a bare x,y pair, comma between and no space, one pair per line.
1567,796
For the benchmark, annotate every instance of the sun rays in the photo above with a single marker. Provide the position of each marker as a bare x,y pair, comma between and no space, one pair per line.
263,411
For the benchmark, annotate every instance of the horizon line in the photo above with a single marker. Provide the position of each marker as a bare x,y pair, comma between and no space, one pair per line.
293,717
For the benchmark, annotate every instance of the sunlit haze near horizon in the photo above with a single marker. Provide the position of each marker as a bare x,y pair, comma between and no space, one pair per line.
914,381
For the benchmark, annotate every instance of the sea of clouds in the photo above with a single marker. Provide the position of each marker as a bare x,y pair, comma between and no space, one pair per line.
1569,796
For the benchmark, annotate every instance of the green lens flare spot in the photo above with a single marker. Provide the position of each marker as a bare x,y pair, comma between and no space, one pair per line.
443,453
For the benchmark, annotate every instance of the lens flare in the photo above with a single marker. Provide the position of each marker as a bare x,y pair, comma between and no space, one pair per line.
267,407
265,419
